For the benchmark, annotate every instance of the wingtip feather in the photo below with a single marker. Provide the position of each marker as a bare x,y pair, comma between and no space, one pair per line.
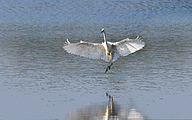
67,42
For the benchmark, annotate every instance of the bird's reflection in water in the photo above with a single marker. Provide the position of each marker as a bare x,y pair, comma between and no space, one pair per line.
111,111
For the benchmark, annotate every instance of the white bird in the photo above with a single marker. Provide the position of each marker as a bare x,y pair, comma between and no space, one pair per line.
108,51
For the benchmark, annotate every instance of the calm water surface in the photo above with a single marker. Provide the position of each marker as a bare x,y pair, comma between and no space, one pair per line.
39,80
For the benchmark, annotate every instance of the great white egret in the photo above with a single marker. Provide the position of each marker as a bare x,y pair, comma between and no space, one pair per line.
108,51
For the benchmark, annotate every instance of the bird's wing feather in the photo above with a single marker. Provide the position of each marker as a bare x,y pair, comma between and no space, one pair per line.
128,46
86,49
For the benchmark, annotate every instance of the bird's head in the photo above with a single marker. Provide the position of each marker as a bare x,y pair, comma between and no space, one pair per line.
102,30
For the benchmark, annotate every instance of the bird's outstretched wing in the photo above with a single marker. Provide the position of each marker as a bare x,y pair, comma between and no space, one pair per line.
86,49
128,46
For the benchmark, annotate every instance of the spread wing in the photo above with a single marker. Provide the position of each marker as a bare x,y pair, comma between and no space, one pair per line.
128,46
86,49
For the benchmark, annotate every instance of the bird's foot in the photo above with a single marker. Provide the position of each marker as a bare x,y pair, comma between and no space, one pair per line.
108,68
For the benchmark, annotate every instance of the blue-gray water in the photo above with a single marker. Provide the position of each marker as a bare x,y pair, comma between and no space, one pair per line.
39,80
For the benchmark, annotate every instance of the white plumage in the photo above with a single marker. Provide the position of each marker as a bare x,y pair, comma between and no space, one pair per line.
108,51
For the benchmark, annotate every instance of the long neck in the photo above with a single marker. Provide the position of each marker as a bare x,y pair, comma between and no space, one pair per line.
104,36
